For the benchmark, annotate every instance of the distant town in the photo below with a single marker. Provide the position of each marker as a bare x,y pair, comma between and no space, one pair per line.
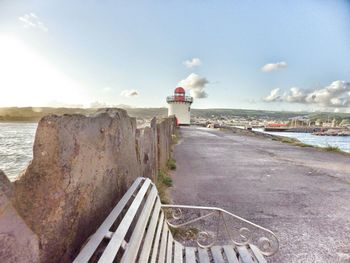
317,123
324,123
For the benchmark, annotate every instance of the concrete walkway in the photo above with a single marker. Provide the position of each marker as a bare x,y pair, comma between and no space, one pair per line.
302,194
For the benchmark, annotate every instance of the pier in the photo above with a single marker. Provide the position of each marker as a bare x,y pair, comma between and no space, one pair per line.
302,129
300,193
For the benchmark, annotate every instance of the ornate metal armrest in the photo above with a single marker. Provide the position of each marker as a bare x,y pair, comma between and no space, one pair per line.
210,225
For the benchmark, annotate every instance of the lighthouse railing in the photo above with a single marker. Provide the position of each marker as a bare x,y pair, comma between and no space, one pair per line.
177,99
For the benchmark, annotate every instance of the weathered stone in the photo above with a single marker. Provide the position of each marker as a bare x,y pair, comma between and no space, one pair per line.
165,128
17,242
81,167
147,149
6,187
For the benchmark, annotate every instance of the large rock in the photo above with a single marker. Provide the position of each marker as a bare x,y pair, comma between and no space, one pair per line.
147,149
80,169
165,130
17,242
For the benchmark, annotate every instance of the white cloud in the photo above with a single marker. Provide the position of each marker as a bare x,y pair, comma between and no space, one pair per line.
273,96
336,95
295,95
129,93
190,63
32,20
274,66
196,85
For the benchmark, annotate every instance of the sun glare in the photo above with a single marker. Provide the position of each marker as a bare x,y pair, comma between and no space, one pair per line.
27,79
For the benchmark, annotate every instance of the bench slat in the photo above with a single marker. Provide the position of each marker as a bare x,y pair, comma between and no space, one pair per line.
230,254
170,248
190,255
217,254
150,235
203,255
103,230
257,254
163,244
132,249
244,254
178,254
156,239
119,235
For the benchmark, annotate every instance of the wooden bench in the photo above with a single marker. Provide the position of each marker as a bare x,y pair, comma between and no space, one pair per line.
139,230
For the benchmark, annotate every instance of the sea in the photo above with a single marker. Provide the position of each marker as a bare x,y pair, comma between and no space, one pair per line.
16,147
342,142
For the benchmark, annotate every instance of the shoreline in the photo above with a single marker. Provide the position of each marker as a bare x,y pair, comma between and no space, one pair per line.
284,139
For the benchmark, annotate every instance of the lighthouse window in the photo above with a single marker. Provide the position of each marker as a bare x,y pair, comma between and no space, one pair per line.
189,109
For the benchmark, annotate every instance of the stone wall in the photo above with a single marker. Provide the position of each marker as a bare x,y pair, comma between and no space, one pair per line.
17,241
147,149
165,130
80,169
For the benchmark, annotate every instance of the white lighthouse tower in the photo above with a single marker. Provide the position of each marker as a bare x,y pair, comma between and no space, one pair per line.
180,106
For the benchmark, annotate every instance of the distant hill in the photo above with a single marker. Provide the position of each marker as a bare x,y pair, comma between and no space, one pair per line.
263,114
34,114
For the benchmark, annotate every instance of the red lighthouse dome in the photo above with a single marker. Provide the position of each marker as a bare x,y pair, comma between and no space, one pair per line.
179,90
179,94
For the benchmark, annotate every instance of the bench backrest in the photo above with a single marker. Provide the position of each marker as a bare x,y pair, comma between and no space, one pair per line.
137,231
134,231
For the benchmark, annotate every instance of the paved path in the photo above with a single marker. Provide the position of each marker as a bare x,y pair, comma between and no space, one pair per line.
302,194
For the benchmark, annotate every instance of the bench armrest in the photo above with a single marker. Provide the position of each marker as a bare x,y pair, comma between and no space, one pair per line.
210,225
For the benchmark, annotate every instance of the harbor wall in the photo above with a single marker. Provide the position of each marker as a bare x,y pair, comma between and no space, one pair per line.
81,167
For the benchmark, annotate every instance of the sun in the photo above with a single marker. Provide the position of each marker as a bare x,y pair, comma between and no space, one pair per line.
28,79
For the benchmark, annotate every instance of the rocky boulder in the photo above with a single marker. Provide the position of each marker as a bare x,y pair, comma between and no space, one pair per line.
81,167
165,130
17,242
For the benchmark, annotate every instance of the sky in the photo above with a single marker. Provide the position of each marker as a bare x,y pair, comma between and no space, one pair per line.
270,55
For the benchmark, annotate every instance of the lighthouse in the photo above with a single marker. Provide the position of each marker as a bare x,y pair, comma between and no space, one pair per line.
180,106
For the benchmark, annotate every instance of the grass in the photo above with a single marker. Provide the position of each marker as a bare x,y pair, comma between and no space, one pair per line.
162,187
301,144
331,148
164,181
291,141
174,139
171,164
184,233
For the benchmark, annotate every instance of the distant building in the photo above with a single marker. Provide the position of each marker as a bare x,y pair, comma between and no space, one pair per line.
334,123
327,125
180,106
318,122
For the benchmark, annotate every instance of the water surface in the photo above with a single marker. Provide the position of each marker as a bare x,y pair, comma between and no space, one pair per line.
343,142
16,147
